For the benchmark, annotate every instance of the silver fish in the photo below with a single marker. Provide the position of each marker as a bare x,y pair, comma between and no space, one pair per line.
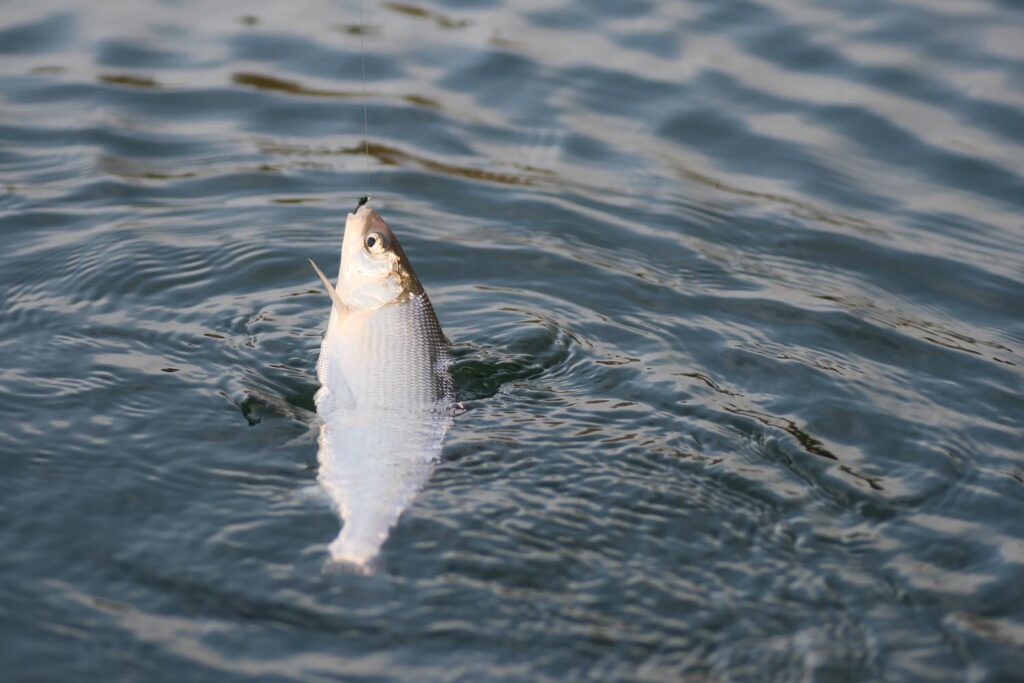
385,397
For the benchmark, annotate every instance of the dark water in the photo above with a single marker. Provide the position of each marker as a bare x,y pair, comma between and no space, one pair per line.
736,290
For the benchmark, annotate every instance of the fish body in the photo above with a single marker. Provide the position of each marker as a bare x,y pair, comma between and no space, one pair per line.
385,392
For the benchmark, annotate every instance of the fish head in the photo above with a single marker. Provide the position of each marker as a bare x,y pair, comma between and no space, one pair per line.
374,269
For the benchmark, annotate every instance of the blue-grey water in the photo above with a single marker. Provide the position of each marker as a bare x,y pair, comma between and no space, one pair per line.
736,292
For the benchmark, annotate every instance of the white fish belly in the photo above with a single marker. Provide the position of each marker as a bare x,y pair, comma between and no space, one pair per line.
384,405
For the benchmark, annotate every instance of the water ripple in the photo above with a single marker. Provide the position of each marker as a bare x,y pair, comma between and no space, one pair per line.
734,293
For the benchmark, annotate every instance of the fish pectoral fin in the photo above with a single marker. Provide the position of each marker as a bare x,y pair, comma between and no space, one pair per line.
331,291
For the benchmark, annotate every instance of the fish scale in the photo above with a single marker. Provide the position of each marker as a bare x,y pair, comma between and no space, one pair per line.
392,357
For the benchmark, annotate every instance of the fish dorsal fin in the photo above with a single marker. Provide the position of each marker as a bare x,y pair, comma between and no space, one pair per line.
331,291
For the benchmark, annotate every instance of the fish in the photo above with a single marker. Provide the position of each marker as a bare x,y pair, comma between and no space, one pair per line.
386,393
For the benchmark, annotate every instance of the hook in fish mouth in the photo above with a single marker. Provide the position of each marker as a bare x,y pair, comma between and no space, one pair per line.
362,200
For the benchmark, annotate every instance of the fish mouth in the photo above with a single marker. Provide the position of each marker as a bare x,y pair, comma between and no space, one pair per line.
365,211
370,221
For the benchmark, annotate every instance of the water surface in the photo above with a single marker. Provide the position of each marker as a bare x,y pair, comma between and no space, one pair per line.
736,292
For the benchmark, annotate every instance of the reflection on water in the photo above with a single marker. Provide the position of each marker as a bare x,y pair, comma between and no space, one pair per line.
735,296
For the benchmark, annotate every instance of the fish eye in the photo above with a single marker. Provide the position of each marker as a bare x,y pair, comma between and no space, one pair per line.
375,243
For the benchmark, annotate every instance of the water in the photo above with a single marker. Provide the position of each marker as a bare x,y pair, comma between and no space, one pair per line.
736,293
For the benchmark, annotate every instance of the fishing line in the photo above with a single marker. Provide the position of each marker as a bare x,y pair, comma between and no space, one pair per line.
366,116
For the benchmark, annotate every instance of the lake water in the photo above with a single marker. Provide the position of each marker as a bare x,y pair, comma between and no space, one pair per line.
736,292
